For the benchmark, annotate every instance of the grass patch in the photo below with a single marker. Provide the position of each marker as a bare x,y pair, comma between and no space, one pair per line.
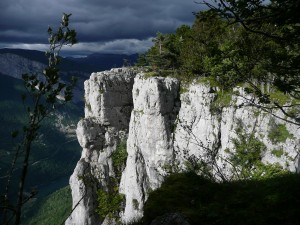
277,152
279,97
211,81
151,74
222,99
183,88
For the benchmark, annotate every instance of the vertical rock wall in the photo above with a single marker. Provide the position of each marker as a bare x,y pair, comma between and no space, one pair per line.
165,130
150,140
108,104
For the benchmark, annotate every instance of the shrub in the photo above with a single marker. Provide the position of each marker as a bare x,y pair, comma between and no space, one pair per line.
109,203
278,132
277,152
119,157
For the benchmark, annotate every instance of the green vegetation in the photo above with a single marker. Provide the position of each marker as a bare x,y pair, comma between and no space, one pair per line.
151,74
211,81
252,43
279,97
202,201
183,88
119,157
278,132
109,199
277,152
246,157
109,203
222,99
53,210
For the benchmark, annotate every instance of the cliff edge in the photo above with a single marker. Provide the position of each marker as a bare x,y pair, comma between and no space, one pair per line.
168,127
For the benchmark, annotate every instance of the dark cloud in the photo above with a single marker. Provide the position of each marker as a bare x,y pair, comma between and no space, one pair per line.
105,22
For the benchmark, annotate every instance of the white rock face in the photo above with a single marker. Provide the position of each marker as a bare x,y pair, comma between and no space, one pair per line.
165,130
150,139
108,101
203,131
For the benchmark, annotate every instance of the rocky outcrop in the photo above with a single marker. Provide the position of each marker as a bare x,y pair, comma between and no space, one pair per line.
108,101
168,129
150,141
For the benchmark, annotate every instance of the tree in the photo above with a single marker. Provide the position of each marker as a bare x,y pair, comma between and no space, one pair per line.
43,92
277,24
156,54
260,46
164,55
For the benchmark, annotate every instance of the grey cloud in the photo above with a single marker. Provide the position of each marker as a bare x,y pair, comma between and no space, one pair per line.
94,20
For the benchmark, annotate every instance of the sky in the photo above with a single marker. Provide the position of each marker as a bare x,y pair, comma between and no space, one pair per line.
102,26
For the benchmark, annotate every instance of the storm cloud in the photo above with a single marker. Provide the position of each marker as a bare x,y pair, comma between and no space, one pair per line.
115,26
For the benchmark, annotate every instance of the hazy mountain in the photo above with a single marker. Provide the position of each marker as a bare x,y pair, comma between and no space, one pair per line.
92,63
99,62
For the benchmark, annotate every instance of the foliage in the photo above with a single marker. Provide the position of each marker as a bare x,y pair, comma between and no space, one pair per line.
246,158
53,210
255,43
202,201
141,60
248,154
119,157
48,167
109,203
274,22
278,133
279,97
277,152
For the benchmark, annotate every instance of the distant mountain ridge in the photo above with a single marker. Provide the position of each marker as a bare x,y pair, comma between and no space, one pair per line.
15,62
92,63
106,61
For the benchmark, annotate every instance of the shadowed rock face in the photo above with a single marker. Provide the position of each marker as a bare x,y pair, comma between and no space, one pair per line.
164,130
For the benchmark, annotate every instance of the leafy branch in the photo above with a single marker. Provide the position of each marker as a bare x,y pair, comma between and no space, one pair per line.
43,91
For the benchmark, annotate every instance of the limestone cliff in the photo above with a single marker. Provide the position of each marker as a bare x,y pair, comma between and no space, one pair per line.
167,128
108,102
